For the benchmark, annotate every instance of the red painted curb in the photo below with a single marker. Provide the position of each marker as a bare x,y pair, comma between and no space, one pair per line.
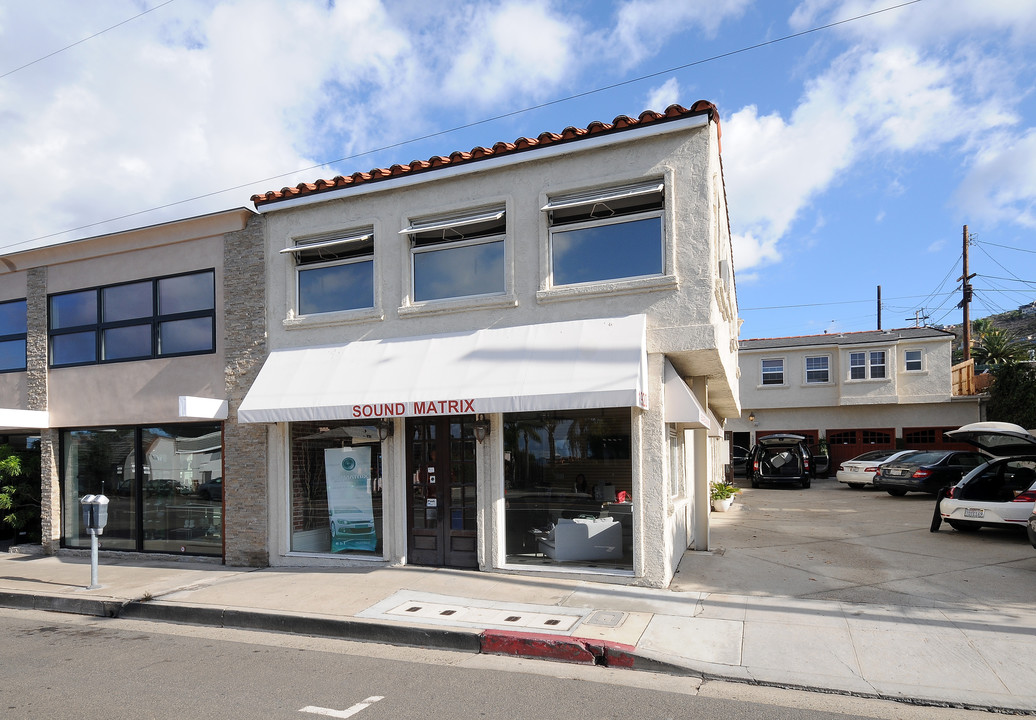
557,647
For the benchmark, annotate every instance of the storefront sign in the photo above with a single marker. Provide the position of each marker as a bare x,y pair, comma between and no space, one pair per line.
428,407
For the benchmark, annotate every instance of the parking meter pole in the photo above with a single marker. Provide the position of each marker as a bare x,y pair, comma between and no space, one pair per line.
93,561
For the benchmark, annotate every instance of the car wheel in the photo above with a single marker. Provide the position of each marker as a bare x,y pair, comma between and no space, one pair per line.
896,492
963,525
856,486
937,514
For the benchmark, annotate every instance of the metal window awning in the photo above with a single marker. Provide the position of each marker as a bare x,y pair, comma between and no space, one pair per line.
446,223
681,406
571,365
319,245
618,193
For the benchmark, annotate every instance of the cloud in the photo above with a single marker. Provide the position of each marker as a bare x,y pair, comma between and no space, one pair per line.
1001,181
642,26
664,95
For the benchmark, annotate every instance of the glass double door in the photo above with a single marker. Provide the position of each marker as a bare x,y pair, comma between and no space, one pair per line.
441,492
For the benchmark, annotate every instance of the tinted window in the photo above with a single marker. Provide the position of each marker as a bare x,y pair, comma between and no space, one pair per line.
12,355
73,348
185,336
186,293
13,318
608,252
336,287
126,302
459,271
73,309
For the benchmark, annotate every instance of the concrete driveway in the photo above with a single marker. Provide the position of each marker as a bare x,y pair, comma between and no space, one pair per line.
833,543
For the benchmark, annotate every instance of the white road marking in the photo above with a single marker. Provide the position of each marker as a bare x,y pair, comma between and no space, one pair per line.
349,712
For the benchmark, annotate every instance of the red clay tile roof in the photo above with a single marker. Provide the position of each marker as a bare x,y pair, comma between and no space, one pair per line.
569,134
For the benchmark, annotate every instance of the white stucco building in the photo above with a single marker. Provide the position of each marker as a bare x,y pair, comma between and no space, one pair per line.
858,391
516,359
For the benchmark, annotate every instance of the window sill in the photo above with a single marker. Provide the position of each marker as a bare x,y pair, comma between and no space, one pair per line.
345,317
771,387
608,288
441,307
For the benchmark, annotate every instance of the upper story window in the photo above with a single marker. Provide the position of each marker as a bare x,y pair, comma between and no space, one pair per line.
334,273
456,256
160,317
818,370
913,361
13,332
867,365
773,371
608,234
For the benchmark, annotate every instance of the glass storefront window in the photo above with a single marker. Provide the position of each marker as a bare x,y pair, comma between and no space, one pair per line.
568,488
336,493
164,485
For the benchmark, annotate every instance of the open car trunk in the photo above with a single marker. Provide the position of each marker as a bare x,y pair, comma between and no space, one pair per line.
781,463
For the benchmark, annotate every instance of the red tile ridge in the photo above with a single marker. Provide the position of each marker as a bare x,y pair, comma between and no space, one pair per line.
569,134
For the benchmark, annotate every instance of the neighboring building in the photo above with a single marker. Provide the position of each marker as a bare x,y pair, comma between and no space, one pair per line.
120,353
514,359
858,391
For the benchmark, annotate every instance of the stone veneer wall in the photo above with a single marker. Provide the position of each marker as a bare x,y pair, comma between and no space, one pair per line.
36,376
245,487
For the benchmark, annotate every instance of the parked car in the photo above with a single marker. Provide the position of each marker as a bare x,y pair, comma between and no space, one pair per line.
859,472
782,458
927,471
1001,491
739,459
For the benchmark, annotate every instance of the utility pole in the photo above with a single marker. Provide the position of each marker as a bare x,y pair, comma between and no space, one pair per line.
879,307
966,300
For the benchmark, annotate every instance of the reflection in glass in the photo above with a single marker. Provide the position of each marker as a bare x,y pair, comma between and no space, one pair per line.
127,302
13,318
164,486
73,348
349,519
73,309
459,271
127,342
347,286
99,462
186,293
568,488
183,489
185,336
607,252
12,355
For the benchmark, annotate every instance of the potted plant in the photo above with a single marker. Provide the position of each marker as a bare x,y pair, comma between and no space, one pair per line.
722,495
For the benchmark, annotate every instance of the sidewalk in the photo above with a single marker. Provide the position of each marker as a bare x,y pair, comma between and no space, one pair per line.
979,659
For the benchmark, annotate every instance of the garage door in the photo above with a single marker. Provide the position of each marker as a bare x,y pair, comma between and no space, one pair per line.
846,444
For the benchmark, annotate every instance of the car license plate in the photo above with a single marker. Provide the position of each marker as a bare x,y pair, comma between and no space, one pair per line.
973,512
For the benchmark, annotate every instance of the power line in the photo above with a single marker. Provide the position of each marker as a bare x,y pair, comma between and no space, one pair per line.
80,42
457,128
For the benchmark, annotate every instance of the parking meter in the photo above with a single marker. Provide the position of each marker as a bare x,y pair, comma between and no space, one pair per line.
95,513
95,517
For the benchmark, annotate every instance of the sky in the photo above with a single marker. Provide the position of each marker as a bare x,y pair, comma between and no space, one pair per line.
859,137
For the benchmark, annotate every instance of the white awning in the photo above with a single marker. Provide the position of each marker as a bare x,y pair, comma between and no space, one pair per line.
552,366
680,404
24,419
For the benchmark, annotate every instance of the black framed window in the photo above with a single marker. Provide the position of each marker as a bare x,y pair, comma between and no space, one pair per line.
164,485
139,320
13,331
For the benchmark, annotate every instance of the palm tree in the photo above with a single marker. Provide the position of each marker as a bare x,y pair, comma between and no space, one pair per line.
998,347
